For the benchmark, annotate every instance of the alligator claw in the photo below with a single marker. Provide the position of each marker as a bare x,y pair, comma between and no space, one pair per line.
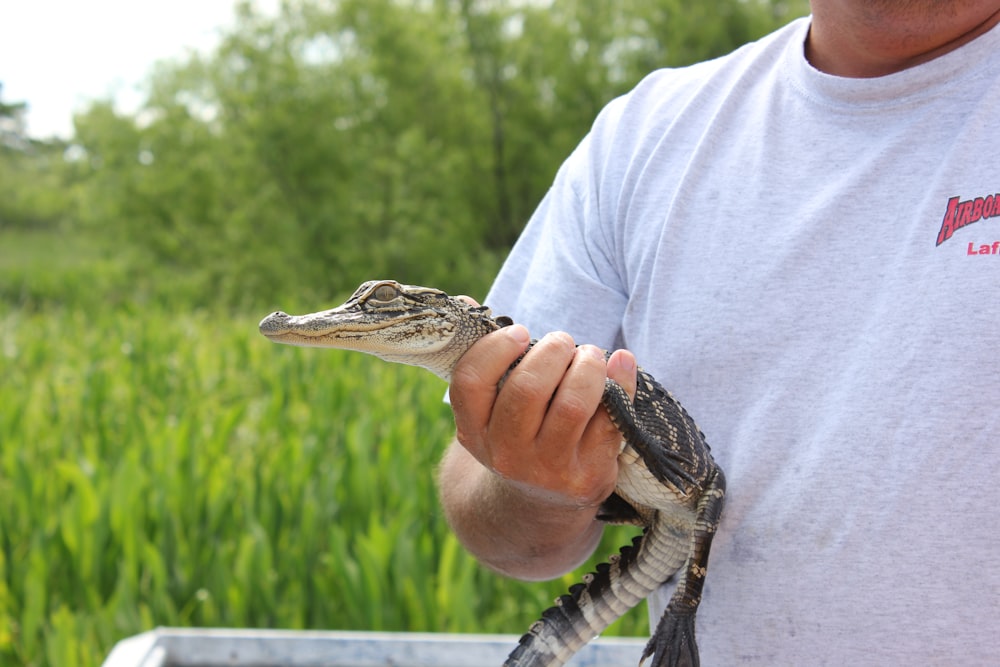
673,644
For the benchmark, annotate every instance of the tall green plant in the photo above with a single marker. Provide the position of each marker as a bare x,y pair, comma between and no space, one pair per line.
180,470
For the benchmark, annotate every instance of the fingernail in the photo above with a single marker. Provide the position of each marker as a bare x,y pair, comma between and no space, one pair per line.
626,362
518,333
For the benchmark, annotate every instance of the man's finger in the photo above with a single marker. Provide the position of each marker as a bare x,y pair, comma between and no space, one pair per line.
574,404
474,383
622,369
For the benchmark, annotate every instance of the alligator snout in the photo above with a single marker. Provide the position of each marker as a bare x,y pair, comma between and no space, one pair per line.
276,322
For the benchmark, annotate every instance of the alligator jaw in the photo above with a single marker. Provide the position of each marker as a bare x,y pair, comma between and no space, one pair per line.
403,339
337,328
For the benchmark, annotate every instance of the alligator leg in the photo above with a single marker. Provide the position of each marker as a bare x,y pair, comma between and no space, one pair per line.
663,453
673,644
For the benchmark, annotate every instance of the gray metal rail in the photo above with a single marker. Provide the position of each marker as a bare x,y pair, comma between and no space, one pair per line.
177,647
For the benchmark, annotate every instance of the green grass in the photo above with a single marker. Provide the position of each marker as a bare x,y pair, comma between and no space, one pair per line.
170,468
45,268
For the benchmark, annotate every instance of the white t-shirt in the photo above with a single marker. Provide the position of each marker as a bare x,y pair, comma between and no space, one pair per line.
811,264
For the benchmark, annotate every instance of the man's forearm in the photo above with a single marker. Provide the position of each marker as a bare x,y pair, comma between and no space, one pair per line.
509,530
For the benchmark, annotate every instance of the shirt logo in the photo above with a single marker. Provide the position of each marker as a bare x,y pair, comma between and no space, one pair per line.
963,213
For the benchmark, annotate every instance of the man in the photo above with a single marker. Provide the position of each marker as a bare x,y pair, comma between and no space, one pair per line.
797,240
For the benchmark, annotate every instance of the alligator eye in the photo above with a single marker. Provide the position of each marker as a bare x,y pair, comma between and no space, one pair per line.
386,293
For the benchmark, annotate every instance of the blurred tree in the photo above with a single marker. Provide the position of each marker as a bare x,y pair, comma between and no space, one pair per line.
33,181
345,139
12,126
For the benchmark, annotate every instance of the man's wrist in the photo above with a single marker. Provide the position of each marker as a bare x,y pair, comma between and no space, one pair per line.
519,533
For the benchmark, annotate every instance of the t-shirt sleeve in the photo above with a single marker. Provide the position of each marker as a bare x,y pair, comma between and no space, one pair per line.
562,274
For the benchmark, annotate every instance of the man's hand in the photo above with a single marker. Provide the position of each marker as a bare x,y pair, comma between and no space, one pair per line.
537,457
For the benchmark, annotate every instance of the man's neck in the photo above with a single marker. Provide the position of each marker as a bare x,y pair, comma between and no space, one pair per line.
869,38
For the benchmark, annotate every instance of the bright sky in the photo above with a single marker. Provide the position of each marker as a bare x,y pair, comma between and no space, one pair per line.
56,55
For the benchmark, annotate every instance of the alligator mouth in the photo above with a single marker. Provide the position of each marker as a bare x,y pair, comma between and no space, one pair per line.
326,328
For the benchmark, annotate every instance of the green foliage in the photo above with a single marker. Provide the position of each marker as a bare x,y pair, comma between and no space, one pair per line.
341,140
164,470
34,179
45,269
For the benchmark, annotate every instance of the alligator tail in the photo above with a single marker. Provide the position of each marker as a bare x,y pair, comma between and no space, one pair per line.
590,607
